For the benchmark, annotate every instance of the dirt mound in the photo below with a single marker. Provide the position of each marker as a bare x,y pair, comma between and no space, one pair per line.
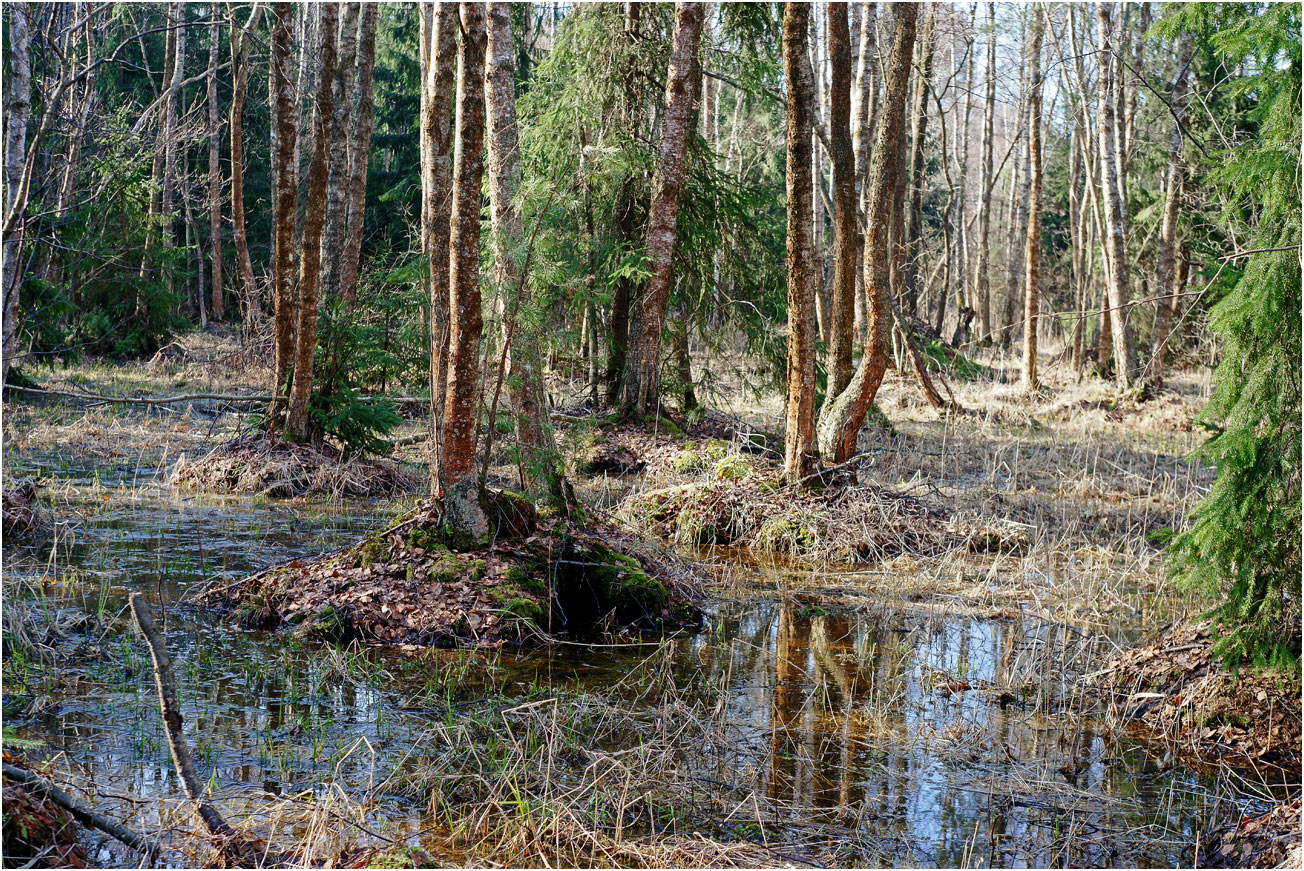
406,586
1177,690
37,832
24,518
275,468
1269,840
746,506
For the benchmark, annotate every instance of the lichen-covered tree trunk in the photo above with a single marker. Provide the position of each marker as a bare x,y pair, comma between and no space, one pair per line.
845,241
17,114
1168,248
1112,197
359,150
641,390
801,450
286,193
540,463
461,398
217,299
337,184
438,54
841,421
305,344
1032,257
239,234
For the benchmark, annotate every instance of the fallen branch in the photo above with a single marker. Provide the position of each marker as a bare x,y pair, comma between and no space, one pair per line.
172,400
85,816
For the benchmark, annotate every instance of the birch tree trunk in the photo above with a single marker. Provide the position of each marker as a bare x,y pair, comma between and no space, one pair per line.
171,143
17,114
919,129
305,346
983,268
845,247
461,402
217,303
438,54
801,450
1032,258
286,195
359,150
540,464
1020,178
1112,196
1168,247
239,235
642,370
841,421
337,184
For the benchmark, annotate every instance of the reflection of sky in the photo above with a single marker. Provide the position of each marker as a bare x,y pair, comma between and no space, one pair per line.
857,734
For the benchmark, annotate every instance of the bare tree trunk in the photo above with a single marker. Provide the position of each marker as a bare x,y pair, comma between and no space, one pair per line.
1021,178
286,197
305,346
337,185
218,299
540,462
1115,218
17,114
845,247
171,143
683,363
841,421
1032,280
983,269
919,130
239,235
863,109
438,54
1168,249
642,369
461,403
359,150
801,450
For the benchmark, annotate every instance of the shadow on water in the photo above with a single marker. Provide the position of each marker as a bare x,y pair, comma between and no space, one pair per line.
941,740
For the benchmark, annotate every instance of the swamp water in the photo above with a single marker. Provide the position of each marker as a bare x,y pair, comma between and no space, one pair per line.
868,736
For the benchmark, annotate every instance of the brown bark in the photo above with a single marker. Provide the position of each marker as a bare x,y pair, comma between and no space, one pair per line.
1112,196
845,247
239,236
359,150
438,54
1020,179
305,345
1168,244
801,450
171,117
540,463
461,399
1032,258
217,303
641,390
841,421
919,130
17,114
982,270
337,184
286,195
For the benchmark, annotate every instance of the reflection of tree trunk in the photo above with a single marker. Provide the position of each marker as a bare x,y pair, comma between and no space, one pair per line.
800,447
782,710
1168,250
540,461
461,402
305,348
641,390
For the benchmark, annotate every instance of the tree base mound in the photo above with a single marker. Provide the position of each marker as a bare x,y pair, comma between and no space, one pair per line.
410,584
753,508
1268,840
1177,690
270,467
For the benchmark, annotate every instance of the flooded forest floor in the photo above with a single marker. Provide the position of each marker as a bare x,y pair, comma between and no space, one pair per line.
938,661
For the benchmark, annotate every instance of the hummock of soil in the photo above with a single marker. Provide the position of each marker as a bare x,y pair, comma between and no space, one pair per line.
406,586
745,506
1270,840
37,832
272,467
24,517
1176,690
616,447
